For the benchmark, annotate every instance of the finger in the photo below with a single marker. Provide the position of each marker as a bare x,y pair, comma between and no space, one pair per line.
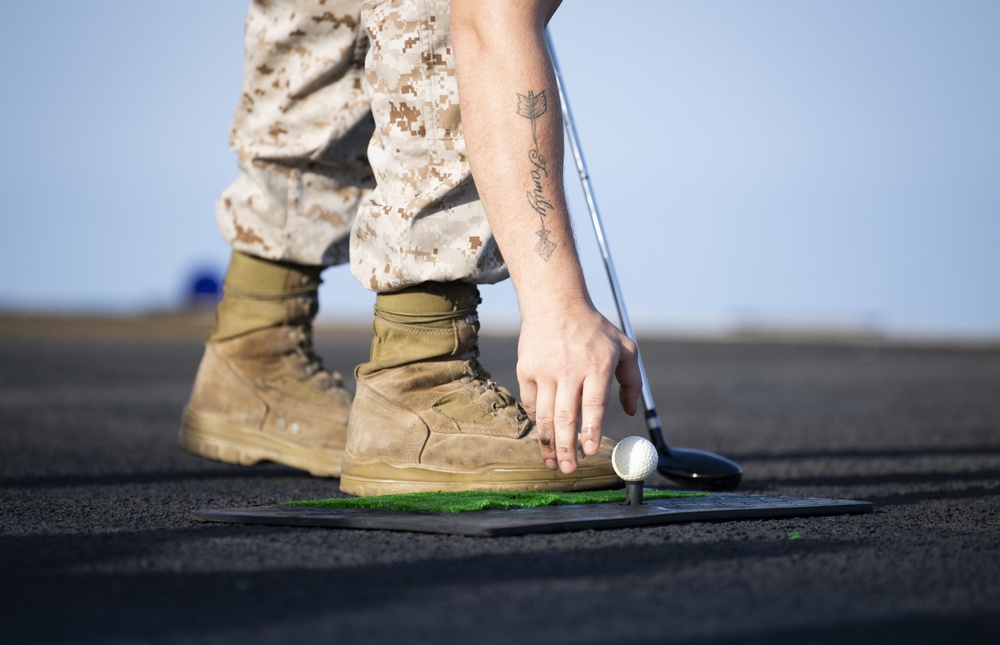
528,394
629,376
594,403
567,419
545,402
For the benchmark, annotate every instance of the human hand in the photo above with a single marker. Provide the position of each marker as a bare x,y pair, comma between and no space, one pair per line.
566,363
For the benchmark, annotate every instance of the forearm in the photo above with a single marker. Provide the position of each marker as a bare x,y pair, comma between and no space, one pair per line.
513,131
568,353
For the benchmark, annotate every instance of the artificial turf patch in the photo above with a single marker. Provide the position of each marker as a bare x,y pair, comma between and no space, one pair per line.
470,500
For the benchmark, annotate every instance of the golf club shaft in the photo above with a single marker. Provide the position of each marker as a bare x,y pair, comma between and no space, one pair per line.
652,418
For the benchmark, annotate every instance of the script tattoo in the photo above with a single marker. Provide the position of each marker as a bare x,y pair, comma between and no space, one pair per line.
531,106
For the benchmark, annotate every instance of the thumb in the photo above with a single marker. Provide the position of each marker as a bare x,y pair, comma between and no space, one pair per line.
629,376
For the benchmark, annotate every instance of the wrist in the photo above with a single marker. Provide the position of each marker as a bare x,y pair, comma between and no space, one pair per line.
548,303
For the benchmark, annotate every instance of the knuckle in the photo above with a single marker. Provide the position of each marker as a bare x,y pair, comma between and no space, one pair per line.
565,417
593,426
544,421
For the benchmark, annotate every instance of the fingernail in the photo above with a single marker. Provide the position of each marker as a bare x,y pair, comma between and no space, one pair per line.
567,467
590,446
551,464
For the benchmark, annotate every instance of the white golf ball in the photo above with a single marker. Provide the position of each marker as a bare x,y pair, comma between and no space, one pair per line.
634,459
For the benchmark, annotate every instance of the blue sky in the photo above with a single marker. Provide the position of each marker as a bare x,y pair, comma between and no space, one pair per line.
774,162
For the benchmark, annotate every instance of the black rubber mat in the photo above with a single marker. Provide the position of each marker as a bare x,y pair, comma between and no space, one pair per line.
545,519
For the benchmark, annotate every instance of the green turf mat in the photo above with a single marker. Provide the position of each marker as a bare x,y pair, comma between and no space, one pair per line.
464,501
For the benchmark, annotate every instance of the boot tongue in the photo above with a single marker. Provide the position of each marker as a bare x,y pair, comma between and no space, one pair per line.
479,399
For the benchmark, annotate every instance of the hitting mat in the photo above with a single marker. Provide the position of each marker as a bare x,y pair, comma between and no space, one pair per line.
659,507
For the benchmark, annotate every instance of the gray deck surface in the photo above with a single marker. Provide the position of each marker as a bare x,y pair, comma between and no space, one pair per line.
97,544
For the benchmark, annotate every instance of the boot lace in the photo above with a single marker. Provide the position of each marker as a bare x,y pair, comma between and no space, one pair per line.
312,363
482,383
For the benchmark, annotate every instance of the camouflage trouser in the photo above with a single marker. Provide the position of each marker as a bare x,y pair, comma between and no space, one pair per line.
324,80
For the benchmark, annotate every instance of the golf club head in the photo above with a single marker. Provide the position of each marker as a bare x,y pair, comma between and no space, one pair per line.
699,469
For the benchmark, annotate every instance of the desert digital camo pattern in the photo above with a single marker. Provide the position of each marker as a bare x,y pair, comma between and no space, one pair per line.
424,220
300,131
349,140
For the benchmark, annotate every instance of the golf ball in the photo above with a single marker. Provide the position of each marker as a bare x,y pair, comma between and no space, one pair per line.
634,459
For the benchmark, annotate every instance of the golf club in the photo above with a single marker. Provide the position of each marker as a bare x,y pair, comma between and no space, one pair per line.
686,466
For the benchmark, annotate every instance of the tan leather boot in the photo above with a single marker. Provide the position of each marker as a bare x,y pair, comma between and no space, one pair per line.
427,417
261,393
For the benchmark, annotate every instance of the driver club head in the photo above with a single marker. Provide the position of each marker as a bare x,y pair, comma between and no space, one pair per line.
699,469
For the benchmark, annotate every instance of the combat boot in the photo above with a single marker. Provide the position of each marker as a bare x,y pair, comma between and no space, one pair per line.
428,417
261,392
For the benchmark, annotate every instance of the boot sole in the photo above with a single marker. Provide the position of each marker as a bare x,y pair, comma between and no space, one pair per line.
219,440
380,478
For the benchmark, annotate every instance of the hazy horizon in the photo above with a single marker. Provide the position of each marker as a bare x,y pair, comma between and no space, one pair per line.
777,164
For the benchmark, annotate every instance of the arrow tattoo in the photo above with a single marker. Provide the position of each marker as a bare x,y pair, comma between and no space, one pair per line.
531,107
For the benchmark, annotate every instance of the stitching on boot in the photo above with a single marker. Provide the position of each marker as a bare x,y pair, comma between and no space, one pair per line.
373,399
268,295
432,331
225,372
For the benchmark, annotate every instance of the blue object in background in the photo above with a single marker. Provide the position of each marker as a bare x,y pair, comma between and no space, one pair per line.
204,289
